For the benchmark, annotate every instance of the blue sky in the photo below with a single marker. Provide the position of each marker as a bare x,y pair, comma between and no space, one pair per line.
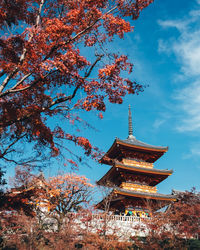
165,50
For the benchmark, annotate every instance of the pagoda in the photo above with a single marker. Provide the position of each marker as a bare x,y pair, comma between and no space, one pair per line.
133,178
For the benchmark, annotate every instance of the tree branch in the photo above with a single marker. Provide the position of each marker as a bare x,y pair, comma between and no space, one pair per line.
14,90
10,76
54,48
57,101
70,97
2,73
10,145
22,57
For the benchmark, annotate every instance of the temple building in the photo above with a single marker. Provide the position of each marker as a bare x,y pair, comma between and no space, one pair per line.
133,178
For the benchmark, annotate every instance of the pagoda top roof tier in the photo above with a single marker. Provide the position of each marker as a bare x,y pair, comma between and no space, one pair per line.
131,140
154,176
132,148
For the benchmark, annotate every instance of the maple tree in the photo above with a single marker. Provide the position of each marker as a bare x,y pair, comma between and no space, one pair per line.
45,70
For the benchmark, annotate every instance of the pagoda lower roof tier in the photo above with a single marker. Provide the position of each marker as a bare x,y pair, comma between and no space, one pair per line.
121,172
121,198
132,148
154,196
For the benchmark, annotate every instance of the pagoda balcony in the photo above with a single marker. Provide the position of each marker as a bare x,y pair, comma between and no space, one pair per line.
138,187
134,163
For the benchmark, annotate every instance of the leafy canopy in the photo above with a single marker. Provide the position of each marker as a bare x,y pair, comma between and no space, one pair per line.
46,71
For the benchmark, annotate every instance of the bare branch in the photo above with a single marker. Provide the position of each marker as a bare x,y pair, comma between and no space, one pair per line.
10,160
38,18
21,81
10,145
7,79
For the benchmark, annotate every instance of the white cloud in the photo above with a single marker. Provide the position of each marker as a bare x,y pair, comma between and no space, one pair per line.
158,123
193,152
186,47
187,50
189,98
163,46
178,24
162,120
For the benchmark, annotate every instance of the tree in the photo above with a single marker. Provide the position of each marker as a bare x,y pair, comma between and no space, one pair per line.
24,192
46,199
45,71
21,232
178,226
63,194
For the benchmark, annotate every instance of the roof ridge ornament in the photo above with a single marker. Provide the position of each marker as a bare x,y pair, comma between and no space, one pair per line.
130,126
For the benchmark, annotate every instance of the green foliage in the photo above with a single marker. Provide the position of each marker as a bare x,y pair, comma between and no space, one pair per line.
193,244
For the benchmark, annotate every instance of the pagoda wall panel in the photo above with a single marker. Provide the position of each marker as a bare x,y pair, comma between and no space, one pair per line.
138,187
135,163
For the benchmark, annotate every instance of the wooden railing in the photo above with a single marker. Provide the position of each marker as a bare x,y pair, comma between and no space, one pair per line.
102,217
115,217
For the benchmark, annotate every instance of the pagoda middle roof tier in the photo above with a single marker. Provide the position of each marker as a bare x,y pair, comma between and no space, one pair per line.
133,148
154,176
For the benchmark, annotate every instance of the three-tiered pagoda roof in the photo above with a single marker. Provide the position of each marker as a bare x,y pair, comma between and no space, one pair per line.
132,174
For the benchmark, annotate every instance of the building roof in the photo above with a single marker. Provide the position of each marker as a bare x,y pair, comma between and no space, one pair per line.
145,195
131,145
162,174
131,140
145,170
119,195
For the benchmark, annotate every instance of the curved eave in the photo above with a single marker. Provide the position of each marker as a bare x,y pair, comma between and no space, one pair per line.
145,170
144,146
143,195
100,182
108,152
132,145
113,169
123,194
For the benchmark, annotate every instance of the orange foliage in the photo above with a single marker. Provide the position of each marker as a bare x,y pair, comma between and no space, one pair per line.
174,228
63,194
43,66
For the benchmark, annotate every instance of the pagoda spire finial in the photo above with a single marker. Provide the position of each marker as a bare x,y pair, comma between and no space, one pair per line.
130,126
